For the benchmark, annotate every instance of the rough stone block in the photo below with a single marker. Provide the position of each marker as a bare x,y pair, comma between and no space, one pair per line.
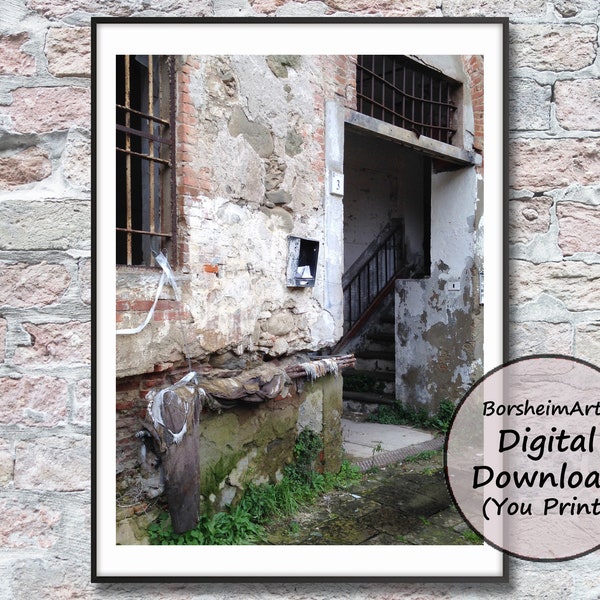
280,324
68,51
3,330
529,105
578,104
540,338
587,341
56,343
25,167
32,225
578,227
573,284
76,161
7,464
82,404
33,401
389,7
542,47
47,577
257,135
13,59
515,8
54,464
42,110
25,525
528,217
26,286
74,8
572,8
543,164
84,276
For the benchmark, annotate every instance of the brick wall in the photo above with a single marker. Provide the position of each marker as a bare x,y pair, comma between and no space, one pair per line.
474,68
45,273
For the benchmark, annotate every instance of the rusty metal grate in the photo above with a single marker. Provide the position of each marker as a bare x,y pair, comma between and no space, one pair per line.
402,92
145,145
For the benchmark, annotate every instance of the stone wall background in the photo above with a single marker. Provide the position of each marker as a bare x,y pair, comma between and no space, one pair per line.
45,275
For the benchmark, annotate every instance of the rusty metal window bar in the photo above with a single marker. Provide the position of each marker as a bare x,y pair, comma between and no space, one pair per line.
402,92
145,159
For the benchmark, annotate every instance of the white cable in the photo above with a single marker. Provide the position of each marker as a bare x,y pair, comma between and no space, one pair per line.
166,275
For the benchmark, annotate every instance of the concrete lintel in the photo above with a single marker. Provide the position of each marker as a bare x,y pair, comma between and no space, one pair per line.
424,144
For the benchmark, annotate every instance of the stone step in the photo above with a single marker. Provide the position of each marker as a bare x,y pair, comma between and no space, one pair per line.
374,365
388,355
382,336
369,398
381,375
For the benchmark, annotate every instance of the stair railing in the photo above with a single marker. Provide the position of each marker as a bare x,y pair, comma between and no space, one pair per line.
372,275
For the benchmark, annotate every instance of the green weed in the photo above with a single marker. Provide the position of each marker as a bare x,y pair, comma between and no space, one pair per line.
422,456
398,414
472,537
245,524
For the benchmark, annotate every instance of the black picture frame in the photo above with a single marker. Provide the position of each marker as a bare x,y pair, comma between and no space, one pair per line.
112,36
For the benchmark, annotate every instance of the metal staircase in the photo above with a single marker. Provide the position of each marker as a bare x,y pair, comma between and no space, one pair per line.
369,317
371,278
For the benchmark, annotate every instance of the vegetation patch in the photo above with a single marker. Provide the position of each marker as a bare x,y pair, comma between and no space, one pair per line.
398,414
422,456
301,485
472,537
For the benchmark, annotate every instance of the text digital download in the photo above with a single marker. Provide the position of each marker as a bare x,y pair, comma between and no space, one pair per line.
523,458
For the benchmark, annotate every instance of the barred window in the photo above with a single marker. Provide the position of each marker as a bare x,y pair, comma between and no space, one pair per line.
402,92
145,144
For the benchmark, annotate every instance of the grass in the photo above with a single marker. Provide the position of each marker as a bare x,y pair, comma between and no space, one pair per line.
398,414
472,537
422,456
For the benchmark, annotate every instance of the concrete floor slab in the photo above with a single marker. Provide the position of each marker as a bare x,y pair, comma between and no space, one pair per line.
364,439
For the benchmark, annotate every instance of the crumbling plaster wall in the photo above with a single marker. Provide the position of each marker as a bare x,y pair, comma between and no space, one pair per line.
251,166
439,319
438,329
250,172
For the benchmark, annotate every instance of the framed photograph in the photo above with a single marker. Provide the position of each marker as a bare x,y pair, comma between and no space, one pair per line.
264,191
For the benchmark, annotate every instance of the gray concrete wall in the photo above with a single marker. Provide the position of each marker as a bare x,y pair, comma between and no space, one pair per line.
439,318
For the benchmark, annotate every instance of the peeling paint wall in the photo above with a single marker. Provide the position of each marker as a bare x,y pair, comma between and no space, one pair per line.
439,319
251,172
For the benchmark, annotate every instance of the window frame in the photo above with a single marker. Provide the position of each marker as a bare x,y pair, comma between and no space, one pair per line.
146,139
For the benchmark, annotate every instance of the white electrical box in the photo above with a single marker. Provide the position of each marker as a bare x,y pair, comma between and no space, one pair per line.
454,286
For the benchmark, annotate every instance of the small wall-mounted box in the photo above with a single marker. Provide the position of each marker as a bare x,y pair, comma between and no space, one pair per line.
302,262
